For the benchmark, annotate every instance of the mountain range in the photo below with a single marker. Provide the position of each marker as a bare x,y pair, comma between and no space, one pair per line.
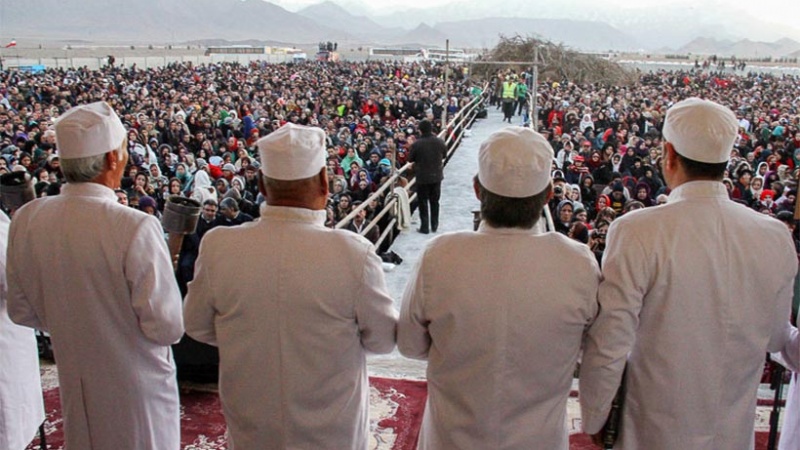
579,24
782,48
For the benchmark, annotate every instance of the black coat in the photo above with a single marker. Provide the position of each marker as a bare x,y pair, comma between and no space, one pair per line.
428,154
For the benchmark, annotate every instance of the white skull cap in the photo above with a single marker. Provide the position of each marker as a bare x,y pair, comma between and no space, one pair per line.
88,130
515,162
701,130
292,152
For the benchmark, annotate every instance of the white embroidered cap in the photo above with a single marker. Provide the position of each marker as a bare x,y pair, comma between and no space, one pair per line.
88,130
292,152
515,162
701,130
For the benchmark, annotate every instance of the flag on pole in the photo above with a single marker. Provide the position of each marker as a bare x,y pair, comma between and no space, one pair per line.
13,43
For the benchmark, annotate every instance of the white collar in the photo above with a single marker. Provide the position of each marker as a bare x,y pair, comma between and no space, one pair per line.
698,189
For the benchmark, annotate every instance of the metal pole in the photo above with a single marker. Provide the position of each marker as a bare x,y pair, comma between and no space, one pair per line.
446,92
42,437
535,97
396,207
776,383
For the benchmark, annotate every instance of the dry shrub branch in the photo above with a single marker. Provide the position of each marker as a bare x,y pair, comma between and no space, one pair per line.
557,62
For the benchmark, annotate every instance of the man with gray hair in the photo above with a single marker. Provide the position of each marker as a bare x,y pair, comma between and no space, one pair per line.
293,339
682,305
230,214
97,276
500,336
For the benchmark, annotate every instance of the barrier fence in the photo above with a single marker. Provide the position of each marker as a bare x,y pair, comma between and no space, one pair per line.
452,134
143,62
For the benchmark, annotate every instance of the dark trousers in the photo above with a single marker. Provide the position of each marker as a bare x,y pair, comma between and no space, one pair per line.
508,108
428,194
522,103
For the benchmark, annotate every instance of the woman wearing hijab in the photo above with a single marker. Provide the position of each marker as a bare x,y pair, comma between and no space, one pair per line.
348,159
643,194
182,173
563,217
157,180
603,202
574,191
616,163
784,173
755,188
586,122
588,193
762,170
203,189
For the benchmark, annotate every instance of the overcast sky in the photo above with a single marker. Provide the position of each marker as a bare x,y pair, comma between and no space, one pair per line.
785,12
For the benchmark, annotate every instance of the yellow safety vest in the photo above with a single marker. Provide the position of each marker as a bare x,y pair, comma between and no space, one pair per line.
509,89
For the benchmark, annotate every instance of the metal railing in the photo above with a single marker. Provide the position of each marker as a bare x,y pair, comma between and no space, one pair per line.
452,134
533,111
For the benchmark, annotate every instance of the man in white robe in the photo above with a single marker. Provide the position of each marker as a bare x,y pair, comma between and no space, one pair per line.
500,314
296,313
21,406
682,304
97,276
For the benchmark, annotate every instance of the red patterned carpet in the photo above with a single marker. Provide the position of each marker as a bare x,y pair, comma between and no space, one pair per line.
396,407
396,414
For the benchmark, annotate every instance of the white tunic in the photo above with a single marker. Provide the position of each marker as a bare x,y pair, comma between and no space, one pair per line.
695,293
500,316
790,431
21,406
97,276
293,307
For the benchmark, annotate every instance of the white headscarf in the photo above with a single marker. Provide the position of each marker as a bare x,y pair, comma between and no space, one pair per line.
203,190
586,122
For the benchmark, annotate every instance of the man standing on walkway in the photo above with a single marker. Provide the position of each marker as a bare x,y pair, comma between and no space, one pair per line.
682,304
509,96
296,314
522,95
97,276
428,154
501,338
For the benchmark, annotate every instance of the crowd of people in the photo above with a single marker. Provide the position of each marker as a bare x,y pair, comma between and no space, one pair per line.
300,145
608,144
192,129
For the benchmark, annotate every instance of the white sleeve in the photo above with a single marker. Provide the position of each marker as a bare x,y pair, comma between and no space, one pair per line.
155,296
198,308
413,338
375,313
612,335
20,309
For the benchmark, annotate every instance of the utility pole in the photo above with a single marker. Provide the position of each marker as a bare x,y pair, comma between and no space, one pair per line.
446,91
535,97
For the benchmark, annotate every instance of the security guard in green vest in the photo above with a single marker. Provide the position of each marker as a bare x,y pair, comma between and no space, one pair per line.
509,96
522,96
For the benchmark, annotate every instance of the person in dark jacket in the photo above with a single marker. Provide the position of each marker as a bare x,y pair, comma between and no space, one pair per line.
230,215
428,154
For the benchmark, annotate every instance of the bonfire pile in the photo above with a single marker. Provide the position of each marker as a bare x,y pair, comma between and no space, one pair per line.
557,63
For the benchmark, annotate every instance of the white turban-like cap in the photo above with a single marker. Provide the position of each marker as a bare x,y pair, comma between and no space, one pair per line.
89,130
515,162
701,130
292,152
